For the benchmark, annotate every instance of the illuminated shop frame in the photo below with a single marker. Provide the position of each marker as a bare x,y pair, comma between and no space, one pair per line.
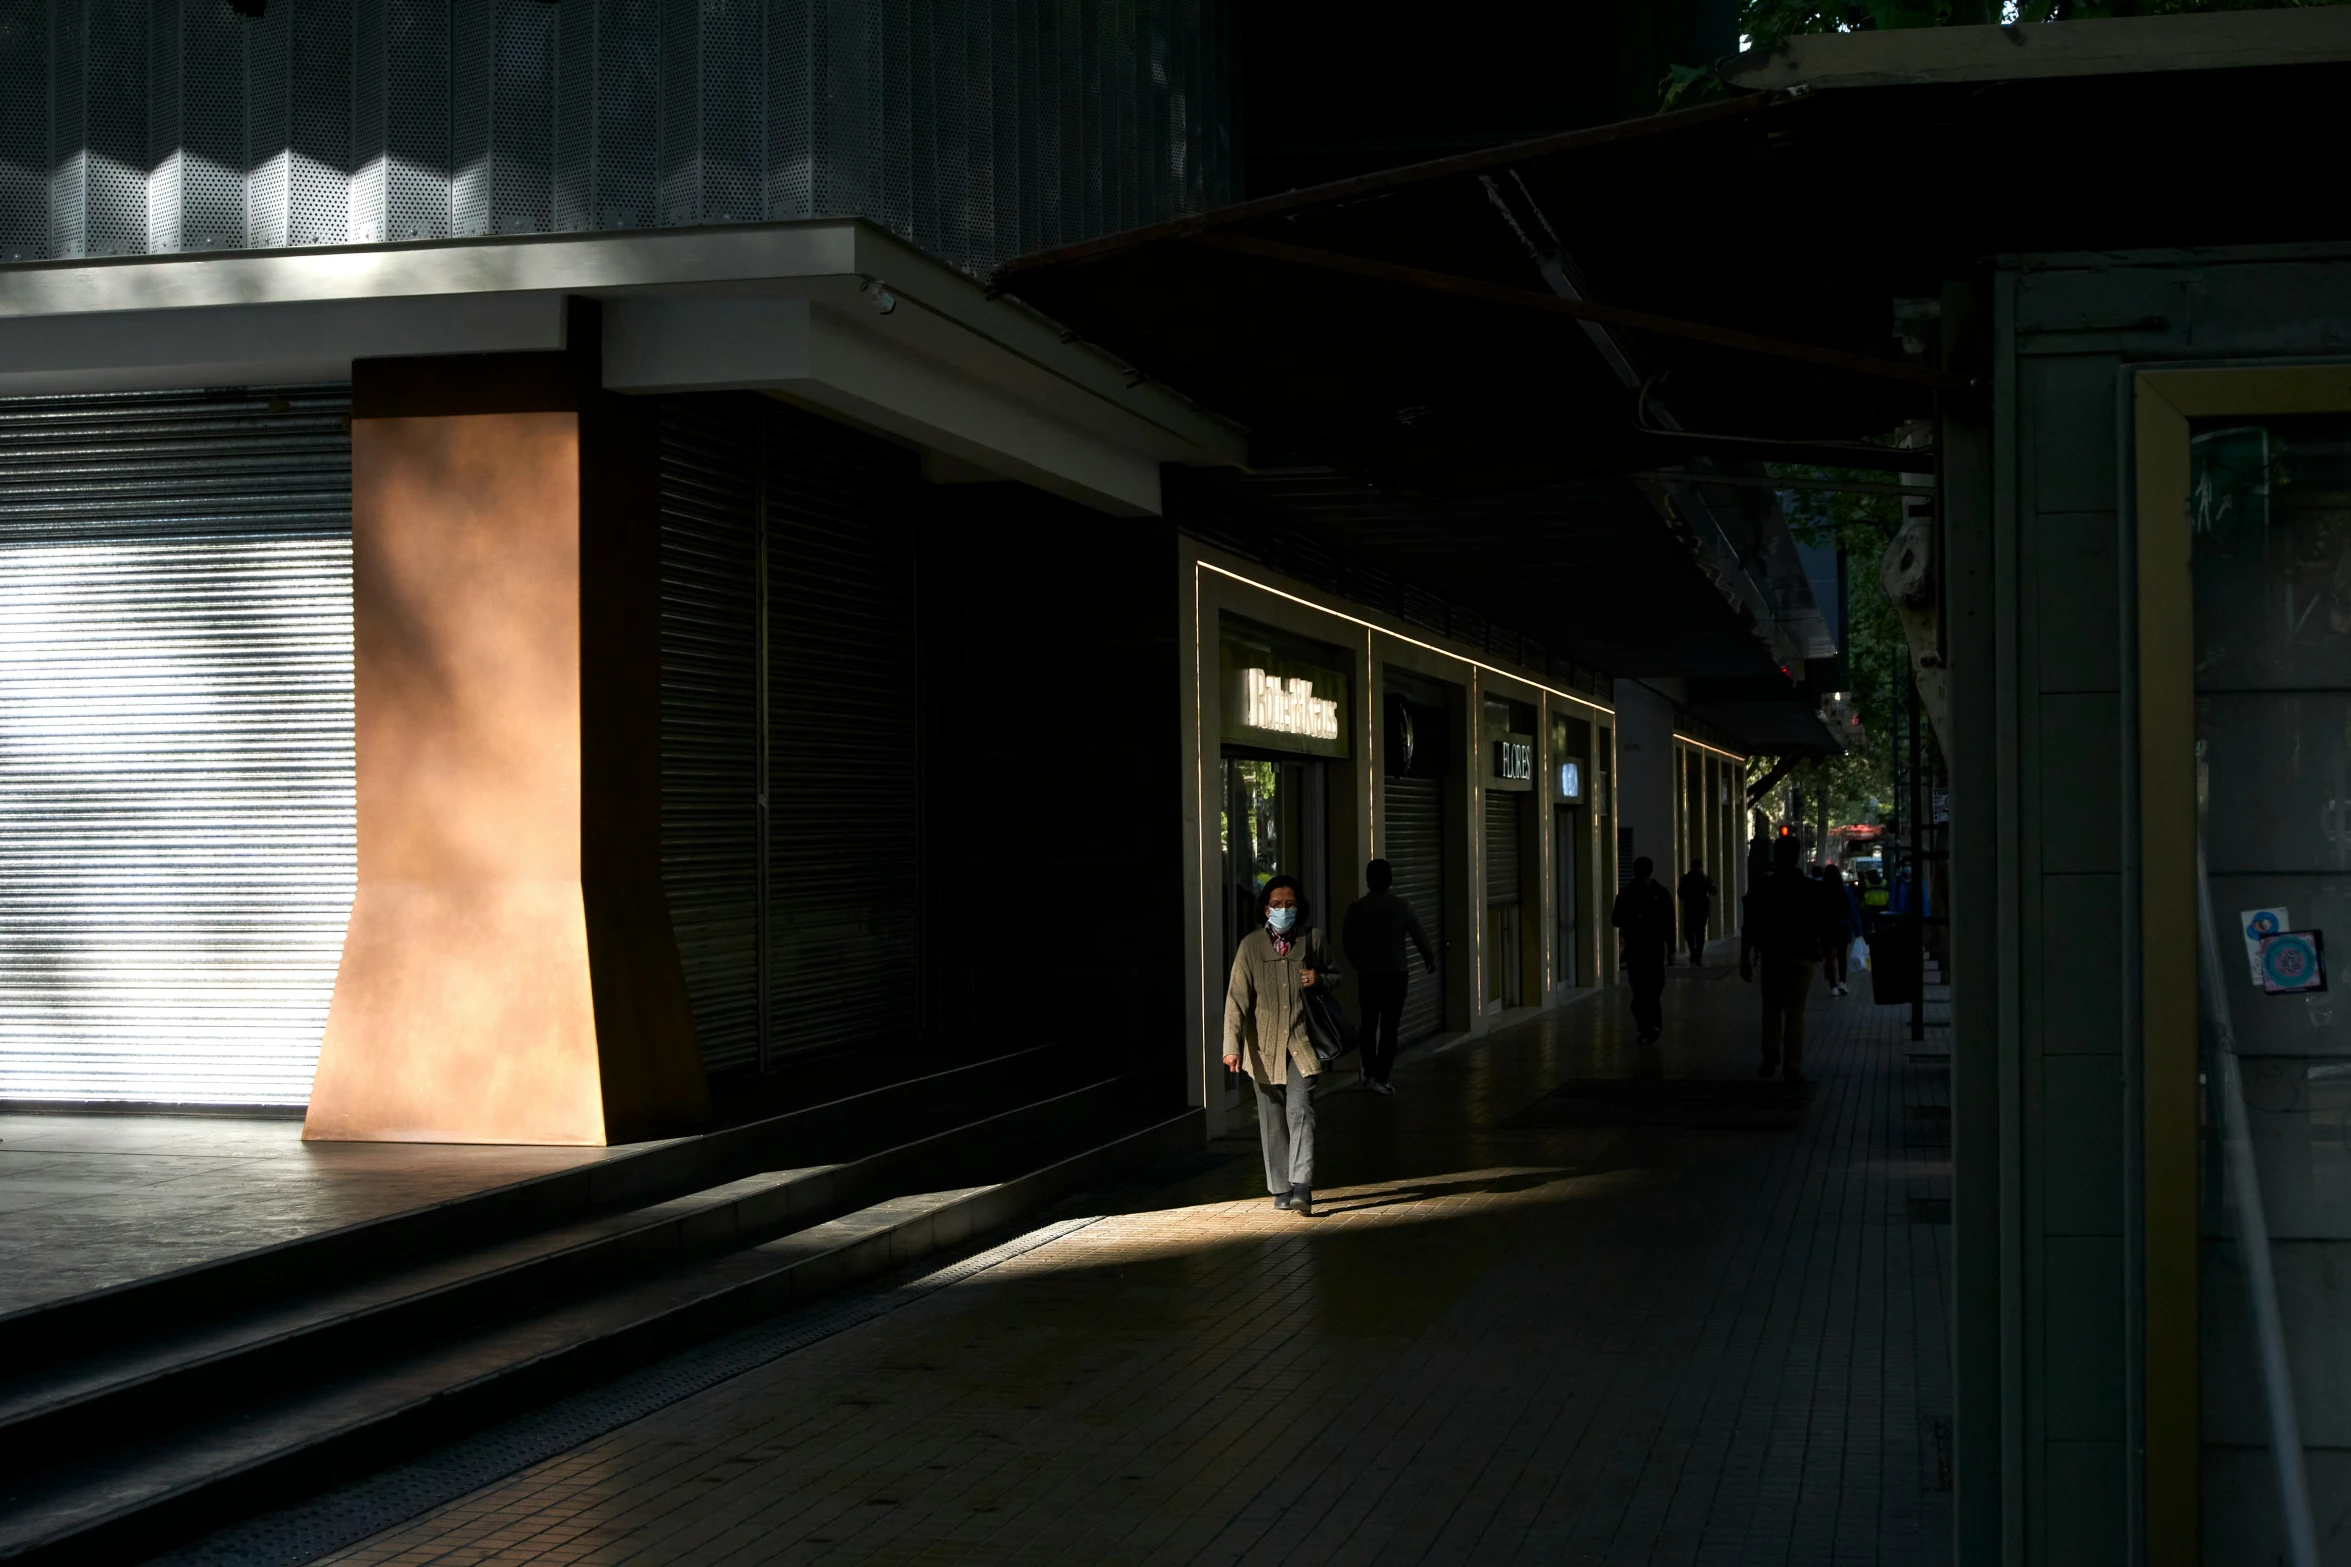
1366,775
2163,402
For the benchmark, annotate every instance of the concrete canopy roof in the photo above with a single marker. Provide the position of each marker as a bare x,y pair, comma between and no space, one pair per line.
1400,329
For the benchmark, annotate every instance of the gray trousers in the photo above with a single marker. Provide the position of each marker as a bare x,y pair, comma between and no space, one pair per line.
1285,1126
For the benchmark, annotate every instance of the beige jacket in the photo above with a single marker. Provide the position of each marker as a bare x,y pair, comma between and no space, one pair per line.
1265,1005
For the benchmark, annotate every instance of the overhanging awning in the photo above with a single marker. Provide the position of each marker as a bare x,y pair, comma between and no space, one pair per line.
1402,325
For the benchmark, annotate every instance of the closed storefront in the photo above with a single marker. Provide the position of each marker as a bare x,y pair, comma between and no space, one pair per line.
1505,934
1415,725
1507,750
177,822
790,820
176,800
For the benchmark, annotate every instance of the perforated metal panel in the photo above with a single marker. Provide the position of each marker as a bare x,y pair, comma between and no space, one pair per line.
1414,844
24,132
176,805
319,123
975,128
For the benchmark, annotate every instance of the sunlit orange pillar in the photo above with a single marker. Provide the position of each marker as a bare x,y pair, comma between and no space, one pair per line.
509,974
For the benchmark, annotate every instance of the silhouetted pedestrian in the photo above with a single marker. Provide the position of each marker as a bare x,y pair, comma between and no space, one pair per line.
1265,1036
1643,918
1844,920
1786,927
1695,892
1374,933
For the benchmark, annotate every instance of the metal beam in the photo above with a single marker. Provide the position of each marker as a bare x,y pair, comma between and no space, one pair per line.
1756,481
1780,769
1811,454
1585,310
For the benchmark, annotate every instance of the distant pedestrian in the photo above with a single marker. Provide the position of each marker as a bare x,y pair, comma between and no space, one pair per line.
1643,918
1844,923
1785,929
1374,933
1695,892
1265,1035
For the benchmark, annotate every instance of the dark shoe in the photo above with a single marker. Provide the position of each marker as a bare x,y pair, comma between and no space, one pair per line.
1378,1085
1285,1200
1302,1201
1769,1066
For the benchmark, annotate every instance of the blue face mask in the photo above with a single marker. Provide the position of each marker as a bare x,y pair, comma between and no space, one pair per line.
1282,919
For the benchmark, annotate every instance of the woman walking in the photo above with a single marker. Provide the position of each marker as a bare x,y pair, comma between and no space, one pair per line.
1265,1036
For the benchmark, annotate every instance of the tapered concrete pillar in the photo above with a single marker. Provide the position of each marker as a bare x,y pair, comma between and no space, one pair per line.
509,974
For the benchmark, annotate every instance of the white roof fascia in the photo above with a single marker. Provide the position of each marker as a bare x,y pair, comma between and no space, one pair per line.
1022,399
2099,46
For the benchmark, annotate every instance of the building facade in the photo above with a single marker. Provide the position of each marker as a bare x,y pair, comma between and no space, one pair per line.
2149,706
976,131
482,484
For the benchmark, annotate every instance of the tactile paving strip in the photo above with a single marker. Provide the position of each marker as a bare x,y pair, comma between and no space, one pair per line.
350,1513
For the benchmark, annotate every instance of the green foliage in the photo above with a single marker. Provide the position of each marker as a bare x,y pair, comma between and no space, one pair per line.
1876,655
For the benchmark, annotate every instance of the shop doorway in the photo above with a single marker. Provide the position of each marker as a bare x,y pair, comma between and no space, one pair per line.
1275,823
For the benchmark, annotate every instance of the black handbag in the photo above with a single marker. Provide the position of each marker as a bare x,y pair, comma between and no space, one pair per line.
1326,1024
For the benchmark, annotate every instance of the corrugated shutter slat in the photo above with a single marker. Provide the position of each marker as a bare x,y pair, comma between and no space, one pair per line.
832,890
1416,853
709,715
843,822
177,814
1503,871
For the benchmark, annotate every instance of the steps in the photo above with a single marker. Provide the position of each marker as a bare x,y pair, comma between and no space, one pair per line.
166,1407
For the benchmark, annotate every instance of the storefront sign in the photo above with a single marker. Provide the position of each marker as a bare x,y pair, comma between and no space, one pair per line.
1288,706
1512,758
1281,704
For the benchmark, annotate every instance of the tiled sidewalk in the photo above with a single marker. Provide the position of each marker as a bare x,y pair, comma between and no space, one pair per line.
1578,1344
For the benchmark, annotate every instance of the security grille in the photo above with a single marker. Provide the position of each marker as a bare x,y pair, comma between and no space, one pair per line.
712,853
1502,846
789,807
177,819
1415,851
977,129
843,778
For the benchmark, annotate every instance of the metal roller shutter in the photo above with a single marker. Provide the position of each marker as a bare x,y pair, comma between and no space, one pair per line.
1416,853
177,815
843,788
789,804
1503,872
710,711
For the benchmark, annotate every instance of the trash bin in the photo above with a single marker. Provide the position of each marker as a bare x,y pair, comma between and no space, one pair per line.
1894,959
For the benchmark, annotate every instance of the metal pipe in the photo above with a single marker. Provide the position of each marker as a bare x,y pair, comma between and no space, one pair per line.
2285,1427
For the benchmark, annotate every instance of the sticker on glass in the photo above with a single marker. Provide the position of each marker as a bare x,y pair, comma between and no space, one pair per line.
2257,924
2292,962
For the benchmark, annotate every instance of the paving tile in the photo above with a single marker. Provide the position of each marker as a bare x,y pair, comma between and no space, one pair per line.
1603,1344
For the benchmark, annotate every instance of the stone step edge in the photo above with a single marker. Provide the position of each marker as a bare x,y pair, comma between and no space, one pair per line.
132,1533
659,1169
825,1193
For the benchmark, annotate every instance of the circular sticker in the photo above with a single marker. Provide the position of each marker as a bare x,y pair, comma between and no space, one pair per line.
2288,961
2264,924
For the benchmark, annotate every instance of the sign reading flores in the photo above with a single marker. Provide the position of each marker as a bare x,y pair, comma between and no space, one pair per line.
1283,705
